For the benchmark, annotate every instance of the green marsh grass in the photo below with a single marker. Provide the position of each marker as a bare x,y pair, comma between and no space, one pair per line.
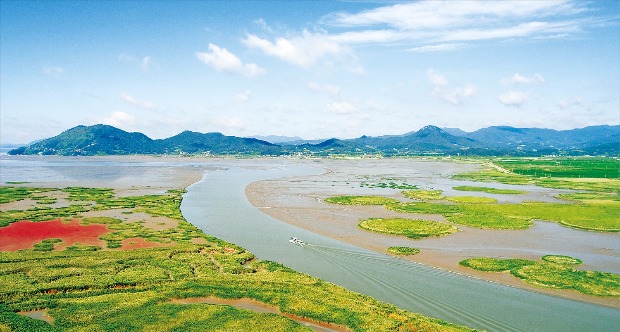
520,216
472,199
552,271
361,200
88,288
424,195
583,167
489,190
411,228
403,251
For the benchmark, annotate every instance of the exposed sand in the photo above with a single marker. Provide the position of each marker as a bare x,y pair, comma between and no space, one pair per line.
299,201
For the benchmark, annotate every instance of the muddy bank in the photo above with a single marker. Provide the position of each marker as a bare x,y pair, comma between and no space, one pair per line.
300,201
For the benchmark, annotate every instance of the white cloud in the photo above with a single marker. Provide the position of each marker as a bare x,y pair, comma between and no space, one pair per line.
437,21
436,78
222,60
118,119
454,96
341,108
303,51
330,90
519,79
229,122
513,98
243,97
564,104
437,48
55,71
138,103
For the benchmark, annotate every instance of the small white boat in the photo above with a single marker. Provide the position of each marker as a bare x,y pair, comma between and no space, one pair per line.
295,240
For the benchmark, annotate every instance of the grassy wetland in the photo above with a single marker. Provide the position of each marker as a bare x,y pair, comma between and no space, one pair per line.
411,228
107,287
552,271
592,204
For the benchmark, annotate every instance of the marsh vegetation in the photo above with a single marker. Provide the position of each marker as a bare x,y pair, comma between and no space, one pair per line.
552,271
411,228
403,251
91,288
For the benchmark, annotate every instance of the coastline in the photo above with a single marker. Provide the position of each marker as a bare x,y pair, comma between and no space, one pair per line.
281,202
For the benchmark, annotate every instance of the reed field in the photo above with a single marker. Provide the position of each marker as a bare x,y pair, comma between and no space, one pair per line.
105,287
552,271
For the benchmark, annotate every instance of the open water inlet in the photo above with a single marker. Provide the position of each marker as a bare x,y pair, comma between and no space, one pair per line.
218,206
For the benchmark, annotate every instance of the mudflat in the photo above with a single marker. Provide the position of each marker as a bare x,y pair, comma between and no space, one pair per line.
300,201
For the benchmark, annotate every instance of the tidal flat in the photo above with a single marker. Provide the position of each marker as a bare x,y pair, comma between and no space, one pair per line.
301,201
150,257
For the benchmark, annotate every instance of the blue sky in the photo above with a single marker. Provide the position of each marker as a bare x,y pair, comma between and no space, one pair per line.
314,69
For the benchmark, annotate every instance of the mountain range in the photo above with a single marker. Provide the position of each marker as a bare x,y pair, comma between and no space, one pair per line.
100,139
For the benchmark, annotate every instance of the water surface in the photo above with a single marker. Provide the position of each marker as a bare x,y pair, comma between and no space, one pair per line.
218,206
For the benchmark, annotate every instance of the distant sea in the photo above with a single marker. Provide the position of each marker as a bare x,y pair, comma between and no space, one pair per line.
4,148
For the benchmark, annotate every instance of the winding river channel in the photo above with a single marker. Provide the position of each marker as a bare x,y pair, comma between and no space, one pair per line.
218,205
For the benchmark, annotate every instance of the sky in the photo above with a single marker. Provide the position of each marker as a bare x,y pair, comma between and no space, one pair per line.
311,69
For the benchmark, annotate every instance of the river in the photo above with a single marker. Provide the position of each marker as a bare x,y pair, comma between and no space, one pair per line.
218,206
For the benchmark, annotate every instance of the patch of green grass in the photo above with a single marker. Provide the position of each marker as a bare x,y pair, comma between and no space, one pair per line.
424,195
581,179
489,190
471,199
591,197
584,167
86,288
559,259
494,264
43,199
403,251
46,245
13,194
600,217
552,272
411,228
361,200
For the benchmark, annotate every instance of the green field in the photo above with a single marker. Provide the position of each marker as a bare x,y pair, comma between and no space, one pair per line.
424,195
552,271
563,167
598,217
411,228
87,288
592,174
597,209
489,190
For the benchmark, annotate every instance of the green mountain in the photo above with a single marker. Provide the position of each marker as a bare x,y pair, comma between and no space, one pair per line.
108,140
89,141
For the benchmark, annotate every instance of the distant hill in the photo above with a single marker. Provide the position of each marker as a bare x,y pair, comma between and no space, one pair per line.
500,140
278,139
108,140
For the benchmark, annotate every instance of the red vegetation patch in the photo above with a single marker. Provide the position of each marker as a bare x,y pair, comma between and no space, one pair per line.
138,242
24,234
